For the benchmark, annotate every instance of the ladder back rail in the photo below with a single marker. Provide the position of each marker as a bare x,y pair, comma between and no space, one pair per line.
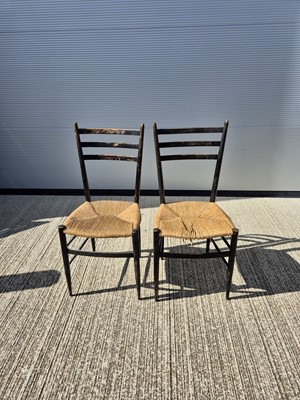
108,131
115,145
206,143
109,157
179,131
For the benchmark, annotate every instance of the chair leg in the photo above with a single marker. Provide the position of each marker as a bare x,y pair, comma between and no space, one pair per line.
161,245
136,259
207,245
93,244
64,249
156,248
140,242
231,260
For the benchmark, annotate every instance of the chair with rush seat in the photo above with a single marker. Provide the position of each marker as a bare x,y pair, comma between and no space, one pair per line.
104,219
192,220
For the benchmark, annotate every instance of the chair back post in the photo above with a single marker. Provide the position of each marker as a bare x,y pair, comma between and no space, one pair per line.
219,163
82,164
158,165
139,166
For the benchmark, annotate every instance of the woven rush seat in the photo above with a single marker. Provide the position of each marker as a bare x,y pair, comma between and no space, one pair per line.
192,220
104,219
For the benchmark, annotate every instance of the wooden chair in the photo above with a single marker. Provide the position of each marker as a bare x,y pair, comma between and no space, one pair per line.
104,218
192,219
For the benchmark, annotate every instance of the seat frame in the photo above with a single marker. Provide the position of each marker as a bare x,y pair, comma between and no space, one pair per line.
136,237
228,255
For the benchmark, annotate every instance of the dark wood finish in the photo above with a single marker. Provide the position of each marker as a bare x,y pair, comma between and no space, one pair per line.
219,163
123,254
181,131
109,157
159,166
158,248
64,248
82,164
136,244
108,131
228,256
175,157
110,144
136,239
138,174
234,239
193,255
189,144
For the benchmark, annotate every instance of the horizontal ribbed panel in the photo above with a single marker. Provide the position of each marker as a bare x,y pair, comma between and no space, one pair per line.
121,63
115,14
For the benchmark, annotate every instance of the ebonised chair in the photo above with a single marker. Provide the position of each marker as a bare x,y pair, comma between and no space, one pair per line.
192,220
104,219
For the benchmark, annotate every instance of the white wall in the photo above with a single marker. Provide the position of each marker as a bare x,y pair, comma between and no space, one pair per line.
117,63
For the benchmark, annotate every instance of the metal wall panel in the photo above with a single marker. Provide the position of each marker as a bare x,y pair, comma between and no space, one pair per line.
118,63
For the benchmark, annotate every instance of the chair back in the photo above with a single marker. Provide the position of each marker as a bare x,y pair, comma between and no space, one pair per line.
82,133
175,144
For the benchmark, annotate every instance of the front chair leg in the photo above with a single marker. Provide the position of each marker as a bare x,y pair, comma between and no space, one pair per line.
64,249
231,259
207,245
136,258
156,248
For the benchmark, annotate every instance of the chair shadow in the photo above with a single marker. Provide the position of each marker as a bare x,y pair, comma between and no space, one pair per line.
28,281
22,226
36,212
264,271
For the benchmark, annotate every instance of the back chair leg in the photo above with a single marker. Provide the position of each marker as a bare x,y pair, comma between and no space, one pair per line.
64,249
140,242
233,245
136,258
156,247
161,245
93,244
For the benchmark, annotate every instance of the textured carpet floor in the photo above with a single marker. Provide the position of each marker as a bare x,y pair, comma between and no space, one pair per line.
193,344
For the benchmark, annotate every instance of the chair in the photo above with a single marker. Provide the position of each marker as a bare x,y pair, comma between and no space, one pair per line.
104,219
190,220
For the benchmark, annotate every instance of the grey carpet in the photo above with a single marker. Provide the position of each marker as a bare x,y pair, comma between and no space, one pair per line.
193,344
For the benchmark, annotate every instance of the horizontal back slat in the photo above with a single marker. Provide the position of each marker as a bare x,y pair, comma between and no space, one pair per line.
190,144
107,131
189,130
110,144
174,157
111,157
